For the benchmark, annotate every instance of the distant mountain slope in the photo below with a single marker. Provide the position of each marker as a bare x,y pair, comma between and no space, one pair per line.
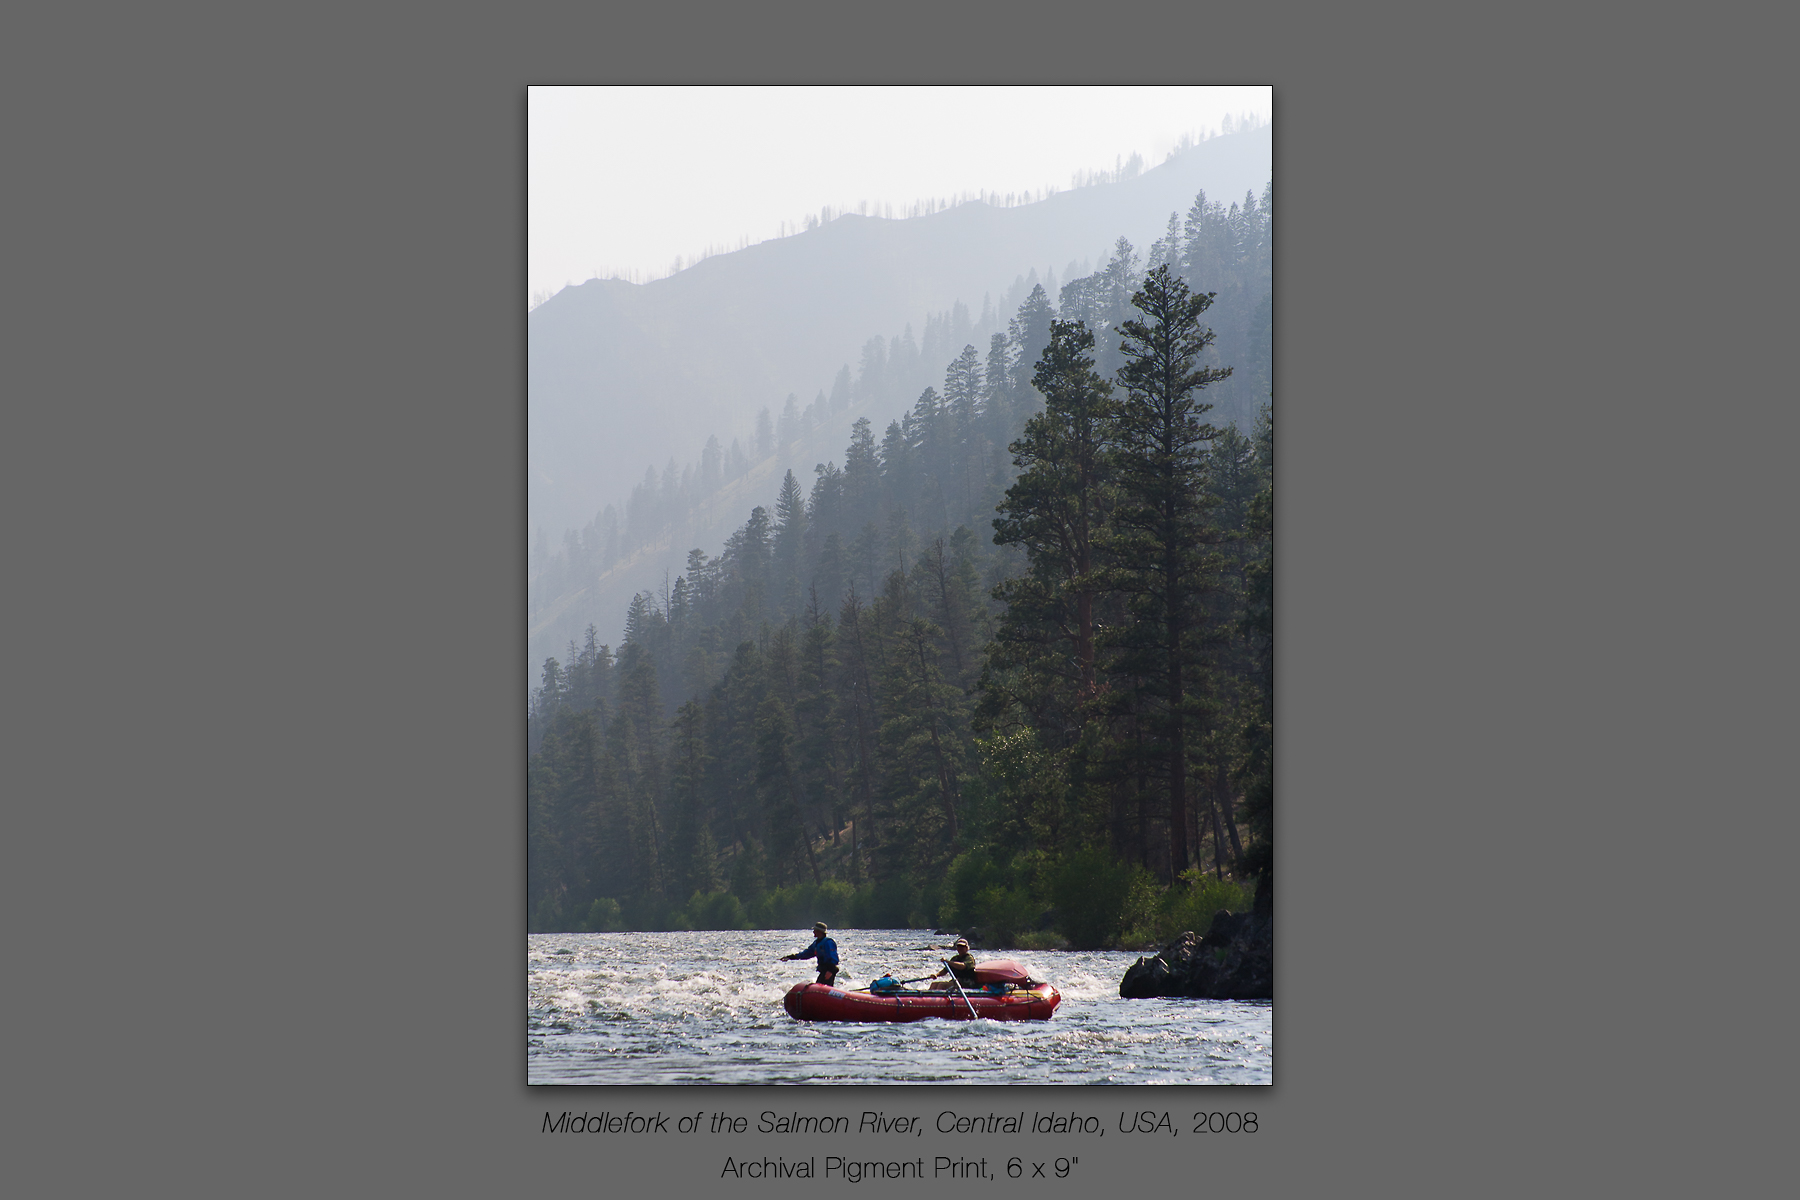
625,376
602,602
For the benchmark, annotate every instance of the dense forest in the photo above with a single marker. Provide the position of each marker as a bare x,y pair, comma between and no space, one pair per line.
1009,667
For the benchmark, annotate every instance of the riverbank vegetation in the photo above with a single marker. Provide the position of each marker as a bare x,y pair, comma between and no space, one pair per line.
1008,669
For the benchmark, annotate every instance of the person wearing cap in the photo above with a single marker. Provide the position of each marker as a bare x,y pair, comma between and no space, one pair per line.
825,950
962,963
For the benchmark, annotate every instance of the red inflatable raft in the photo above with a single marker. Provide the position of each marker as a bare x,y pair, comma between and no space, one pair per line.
1018,997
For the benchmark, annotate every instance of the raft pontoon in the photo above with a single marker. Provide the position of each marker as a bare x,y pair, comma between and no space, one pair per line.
1003,991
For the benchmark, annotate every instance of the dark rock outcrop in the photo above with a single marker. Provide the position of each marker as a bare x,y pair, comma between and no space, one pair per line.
1234,961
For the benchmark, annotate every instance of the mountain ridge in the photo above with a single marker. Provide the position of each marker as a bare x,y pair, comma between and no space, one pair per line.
623,375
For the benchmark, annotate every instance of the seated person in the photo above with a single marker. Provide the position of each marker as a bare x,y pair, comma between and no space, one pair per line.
885,986
961,965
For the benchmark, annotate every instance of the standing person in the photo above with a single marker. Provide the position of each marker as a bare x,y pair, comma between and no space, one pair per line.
962,963
825,950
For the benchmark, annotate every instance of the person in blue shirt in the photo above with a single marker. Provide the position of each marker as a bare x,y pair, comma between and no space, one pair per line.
825,950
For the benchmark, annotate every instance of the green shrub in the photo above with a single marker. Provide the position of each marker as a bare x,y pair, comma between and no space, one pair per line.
1041,939
715,910
884,905
603,916
1091,891
972,873
542,915
779,909
1192,901
798,905
1004,914
1141,908
831,902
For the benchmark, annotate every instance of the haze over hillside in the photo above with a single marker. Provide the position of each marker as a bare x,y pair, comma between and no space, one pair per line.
625,377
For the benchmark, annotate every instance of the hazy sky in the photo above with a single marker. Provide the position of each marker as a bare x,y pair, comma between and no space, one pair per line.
624,179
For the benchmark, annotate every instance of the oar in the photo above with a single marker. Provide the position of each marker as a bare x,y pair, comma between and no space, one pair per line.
973,1015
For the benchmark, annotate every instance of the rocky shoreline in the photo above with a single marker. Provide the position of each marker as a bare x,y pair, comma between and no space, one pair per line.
1234,960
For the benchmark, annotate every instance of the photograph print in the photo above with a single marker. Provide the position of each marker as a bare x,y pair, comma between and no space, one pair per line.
900,618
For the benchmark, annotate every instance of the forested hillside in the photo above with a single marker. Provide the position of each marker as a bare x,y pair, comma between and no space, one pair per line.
1008,666
638,393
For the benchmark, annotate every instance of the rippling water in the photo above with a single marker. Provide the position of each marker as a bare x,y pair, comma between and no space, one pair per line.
705,1007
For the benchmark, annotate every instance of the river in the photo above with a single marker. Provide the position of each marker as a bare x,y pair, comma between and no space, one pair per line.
705,1007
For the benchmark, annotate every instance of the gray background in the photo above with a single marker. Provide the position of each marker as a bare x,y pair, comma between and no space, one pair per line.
263,453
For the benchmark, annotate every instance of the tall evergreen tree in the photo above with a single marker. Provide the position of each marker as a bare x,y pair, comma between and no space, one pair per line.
962,455
924,736
1159,540
862,477
840,390
778,788
1054,511
731,733
789,543
816,721
1029,334
1257,730
859,706
693,854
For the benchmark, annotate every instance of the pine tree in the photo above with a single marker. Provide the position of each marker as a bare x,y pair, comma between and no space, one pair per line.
693,853
824,507
859,707
1167,250
638,754
1001,412
1256,731
1028,334
923,734
950,604
731,738
1054,511
1260,364
840,390
961,452
546,702
900,471
862,476
816,721
1159,540
872,373
749,553
788,429
789,543
778,790
1120,277
555,834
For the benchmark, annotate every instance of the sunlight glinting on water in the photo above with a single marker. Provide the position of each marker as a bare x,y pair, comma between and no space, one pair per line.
705,1007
